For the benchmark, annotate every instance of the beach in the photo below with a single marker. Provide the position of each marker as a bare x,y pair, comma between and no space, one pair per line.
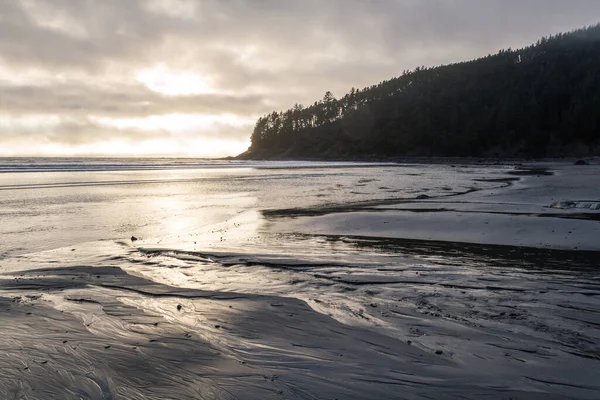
171,279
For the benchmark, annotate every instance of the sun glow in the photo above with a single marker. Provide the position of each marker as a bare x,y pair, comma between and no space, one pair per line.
174,82
174,134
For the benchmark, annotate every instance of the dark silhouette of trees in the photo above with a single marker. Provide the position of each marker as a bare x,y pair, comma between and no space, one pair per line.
542,100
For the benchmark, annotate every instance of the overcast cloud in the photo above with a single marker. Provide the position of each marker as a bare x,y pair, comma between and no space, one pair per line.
190,76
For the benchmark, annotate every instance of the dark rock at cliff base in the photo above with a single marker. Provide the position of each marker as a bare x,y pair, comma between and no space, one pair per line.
581,162
422,197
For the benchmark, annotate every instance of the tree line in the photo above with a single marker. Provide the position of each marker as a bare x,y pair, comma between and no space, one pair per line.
541,100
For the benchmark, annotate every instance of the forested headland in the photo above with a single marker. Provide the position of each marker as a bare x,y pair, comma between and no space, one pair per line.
539,101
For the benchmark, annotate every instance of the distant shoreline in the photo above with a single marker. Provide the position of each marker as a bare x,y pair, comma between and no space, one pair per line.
423,160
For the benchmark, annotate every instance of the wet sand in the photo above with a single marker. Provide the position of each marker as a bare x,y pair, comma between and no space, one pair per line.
482,294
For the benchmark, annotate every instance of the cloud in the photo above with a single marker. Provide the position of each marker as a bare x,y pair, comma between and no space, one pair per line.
125,100
74,60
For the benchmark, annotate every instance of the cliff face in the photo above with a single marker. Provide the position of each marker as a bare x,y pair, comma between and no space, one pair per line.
539,101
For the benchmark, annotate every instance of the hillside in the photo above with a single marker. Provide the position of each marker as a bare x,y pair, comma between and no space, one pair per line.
539,101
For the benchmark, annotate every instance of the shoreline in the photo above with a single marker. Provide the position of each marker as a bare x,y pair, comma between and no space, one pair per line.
426,160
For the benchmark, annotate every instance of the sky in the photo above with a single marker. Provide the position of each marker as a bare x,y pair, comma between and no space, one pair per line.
190,77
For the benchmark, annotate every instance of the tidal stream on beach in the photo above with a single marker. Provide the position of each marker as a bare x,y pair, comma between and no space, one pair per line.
298,280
